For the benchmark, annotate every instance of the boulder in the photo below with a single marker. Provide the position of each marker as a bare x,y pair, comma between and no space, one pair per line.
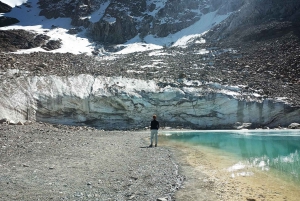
52,45
239,125
294,126
27,122
3,121
162,199
12,122
20,123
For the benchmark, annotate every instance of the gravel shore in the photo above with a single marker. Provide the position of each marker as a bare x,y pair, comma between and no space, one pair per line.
54,162
57,162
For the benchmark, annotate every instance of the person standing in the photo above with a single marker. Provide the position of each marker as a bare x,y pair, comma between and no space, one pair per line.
154,130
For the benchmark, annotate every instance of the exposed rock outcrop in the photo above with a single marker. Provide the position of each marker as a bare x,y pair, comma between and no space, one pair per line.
7,21
52,45
123,20
13,40
120,31
4,8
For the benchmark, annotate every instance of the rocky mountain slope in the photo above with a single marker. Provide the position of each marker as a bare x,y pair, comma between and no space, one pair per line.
267,34
249,62
123,20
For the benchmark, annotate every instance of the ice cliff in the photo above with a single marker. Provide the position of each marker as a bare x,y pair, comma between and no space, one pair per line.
123,103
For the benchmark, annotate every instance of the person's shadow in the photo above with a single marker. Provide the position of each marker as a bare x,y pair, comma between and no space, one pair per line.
145,147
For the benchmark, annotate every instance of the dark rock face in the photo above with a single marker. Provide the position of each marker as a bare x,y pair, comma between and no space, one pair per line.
174,16
123,20
4,8
12,40
117,26
122,30
7,21
54,8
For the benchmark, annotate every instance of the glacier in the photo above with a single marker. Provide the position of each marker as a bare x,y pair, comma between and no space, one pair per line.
126,103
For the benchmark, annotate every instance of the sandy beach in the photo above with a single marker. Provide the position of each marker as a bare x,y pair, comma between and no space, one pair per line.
55,162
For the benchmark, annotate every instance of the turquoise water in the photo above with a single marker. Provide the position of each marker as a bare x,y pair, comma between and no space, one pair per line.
275,150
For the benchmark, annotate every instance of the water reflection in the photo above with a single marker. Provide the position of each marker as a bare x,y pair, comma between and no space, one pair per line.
278,150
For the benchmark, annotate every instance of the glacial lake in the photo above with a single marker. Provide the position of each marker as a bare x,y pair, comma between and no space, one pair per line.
275,151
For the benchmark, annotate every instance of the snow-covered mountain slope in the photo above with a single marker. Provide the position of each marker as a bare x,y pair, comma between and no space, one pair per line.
151,23
55,29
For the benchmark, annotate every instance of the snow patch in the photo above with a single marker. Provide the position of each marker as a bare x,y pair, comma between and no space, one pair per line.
13,3
137,47
97,15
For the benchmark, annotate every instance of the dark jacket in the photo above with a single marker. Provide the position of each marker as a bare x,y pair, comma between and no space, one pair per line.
154,124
